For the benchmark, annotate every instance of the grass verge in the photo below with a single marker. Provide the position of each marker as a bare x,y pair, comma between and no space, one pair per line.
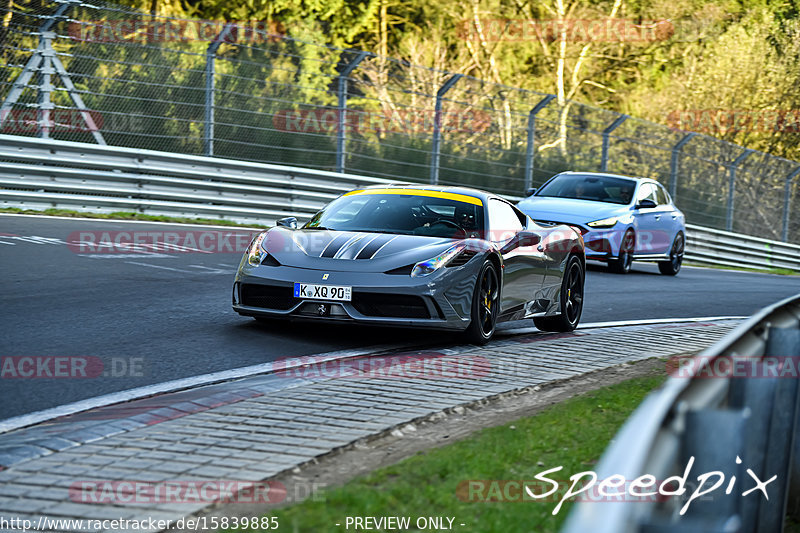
781,271
125,215
572,434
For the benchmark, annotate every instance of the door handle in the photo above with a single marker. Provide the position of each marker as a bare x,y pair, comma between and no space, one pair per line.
674,217
657,217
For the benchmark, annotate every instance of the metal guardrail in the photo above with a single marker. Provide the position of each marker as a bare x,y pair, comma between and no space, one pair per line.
715,419
246,91
44,173
723,248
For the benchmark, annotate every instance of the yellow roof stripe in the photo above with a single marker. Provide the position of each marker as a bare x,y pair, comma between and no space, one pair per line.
422,192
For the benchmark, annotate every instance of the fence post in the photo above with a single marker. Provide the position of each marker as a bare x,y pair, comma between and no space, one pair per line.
787,203
673,164
342,90
46,37
732,187
211,55
606,132
45,105
437,133
531,145
42,61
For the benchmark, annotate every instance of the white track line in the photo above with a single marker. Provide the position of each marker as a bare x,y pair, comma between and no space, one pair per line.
621,323
38,417
123,221
159,266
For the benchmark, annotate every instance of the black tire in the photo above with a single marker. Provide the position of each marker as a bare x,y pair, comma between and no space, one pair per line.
673,266
622,265
571,299
485,305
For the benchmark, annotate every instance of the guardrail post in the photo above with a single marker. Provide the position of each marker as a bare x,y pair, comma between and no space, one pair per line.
782,342
437,126
730,427
606,132
793,499
732,187
673,164
342,90
757,395
529,152
211,56
787,203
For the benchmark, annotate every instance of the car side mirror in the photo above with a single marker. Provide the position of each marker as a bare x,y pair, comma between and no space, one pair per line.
288,222
530,192
646,204
523,239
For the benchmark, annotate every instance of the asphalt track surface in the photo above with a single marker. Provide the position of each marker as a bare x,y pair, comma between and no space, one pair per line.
157,317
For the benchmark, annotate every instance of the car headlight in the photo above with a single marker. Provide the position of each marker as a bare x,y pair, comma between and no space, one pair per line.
424,268
604,223
256,254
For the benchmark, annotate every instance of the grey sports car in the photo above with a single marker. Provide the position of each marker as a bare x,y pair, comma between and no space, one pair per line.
416,256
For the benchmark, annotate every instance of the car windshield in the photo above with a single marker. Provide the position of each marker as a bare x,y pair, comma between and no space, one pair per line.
429,213
587,187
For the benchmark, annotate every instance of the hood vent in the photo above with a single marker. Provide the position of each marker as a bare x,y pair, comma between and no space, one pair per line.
462,258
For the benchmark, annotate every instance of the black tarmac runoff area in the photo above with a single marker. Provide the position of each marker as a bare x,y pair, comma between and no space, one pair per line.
155,317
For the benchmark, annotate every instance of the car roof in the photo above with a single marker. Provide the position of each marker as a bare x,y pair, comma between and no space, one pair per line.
468,191
607,175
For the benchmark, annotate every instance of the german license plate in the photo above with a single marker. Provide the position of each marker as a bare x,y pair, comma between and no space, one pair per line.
323,292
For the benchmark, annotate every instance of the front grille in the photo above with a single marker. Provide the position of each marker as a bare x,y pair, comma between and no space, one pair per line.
268,297
390,305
